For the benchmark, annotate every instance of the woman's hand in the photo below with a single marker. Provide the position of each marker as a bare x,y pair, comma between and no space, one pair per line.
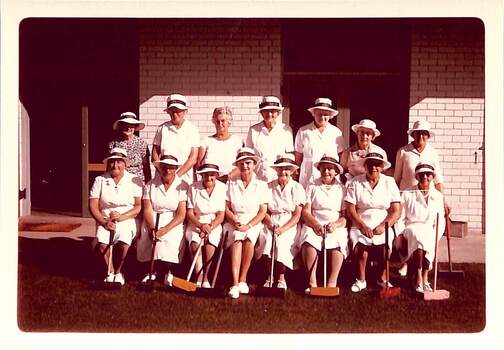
205,230
161,232
318,229
332,226
110,225
366,230
378,230
243,228
115,216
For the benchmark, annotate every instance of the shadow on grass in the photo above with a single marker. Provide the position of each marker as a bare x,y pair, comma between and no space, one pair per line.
54,295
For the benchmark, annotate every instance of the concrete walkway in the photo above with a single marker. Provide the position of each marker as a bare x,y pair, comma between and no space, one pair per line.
469,249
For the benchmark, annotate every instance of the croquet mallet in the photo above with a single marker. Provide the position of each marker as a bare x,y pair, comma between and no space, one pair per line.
436,294
324,291
149,284
186,284
450,273
388,292
271,290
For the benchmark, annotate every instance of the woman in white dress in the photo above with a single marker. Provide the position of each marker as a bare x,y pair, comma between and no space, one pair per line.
284,212
421,204
372,200
351,158
269,138
417,151
246,205
165,195
206,205
316,139
324,208
222,146
114,202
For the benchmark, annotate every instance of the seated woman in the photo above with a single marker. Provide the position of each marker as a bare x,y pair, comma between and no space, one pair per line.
246,204
206,205
366,132
421,204
114,202
222,146
372,200
324,207
138,152
284,212
166,196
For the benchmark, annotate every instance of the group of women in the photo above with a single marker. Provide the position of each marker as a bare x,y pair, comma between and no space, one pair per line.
304,193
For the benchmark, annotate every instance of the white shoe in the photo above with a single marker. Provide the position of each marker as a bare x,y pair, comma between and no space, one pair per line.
206,284
119,278
307,291
234,292
282,284
384,284
243,288
358,286
198,284
148,277
266,284
427,287
419,289
403,270
109,278
168,279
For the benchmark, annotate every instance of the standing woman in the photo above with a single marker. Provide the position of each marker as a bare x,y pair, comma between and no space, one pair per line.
246,205
407,158
269,138
165,195
177,137
351,158
372,200
138,152
222,146
206,205
316,139
284,212
114,202
324,207
421,204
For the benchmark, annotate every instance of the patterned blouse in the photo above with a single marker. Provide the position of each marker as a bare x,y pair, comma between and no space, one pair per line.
137,152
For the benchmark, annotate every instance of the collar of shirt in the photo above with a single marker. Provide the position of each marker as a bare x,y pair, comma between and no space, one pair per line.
252,182
158,182
412,148
169,124
288,185
278,125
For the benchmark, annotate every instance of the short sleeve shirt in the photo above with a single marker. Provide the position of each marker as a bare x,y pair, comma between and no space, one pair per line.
163,200
326,202
119,197
204,204
223,153
372,203
417,210
247,200
286,200
268,145
313,144
178,142
407,159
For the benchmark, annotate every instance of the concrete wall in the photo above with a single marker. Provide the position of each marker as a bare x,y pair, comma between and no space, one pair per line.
447,89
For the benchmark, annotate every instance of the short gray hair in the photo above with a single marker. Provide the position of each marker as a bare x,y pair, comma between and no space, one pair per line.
222,110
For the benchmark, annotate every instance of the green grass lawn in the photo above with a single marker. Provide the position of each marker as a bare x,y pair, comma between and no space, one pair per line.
54,294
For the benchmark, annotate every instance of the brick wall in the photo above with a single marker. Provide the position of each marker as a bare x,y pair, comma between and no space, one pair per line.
447,89
212,62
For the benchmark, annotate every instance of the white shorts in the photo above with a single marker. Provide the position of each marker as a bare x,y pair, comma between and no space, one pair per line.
125,232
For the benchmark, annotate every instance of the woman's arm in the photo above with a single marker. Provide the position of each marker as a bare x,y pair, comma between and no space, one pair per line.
179,217
298,157
94,209
201,155
258,218
130,214
352,212
310,220
191,217
267,221
393,214
189,163
296,215
230,216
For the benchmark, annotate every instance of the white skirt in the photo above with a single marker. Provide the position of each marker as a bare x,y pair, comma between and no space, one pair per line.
357,237
421,236
169,248
286,248
336,239
234,235
193,235
125,232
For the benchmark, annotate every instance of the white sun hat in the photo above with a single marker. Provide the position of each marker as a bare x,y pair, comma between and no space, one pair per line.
324,104
176,101
208,167
377,156
129,118
270,103
331,158
425,168
423,125
168,159
117,153
244,153
368,124
285,160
